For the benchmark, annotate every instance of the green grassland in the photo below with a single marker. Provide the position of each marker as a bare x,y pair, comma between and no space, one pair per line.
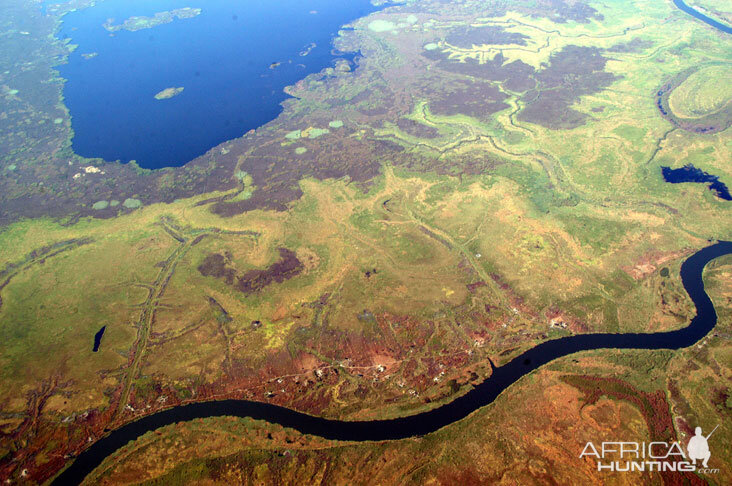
427,244
471,243
491,444
706,91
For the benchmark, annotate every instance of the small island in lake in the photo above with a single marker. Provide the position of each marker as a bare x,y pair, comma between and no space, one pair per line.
139,23
308,49
169,93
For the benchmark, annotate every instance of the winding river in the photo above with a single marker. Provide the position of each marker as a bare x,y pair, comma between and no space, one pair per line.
697,14
433,420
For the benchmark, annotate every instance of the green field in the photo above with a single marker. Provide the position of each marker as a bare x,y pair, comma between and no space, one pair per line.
489,179
706,91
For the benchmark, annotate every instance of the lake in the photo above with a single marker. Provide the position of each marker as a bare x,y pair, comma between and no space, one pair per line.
98,338
689,173
225,59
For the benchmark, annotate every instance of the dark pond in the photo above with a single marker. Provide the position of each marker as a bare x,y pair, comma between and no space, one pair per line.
689,173
424,423
225,59
98,338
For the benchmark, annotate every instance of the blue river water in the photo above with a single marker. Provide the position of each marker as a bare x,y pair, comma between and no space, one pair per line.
221,58
707,20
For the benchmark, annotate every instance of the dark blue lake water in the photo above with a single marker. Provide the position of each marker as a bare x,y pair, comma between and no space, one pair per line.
221,58
689,173
98,338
